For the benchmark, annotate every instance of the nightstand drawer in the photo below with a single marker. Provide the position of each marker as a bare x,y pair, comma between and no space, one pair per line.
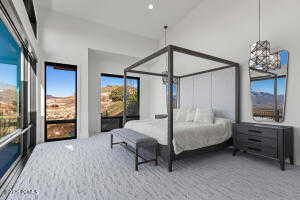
270,141
256,140
259,150
257,131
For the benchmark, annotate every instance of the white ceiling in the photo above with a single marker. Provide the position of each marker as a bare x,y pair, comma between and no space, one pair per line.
128,15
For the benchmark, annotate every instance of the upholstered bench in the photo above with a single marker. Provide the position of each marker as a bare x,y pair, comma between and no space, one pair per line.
137,141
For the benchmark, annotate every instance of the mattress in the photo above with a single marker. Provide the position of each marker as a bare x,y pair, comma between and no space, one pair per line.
187,135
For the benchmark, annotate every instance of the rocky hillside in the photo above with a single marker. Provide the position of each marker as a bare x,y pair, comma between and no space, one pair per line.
109,107
265,100
60,108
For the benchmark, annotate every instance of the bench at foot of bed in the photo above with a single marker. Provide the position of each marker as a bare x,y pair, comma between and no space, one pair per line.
137,141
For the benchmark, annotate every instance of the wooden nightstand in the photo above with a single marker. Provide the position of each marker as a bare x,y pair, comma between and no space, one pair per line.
271,141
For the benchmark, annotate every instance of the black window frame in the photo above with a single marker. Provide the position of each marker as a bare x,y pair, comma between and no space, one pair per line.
29,6
46,122
120,118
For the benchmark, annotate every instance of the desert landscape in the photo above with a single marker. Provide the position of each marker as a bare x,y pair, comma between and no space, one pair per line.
112,101
60,108
9,112
55,131
263,104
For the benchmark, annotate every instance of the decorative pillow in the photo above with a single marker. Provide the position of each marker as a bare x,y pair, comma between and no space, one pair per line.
190,115
204,116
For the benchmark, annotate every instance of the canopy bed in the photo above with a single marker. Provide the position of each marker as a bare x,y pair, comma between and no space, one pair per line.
215,87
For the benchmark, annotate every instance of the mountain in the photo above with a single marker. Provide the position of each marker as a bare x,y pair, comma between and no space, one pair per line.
265,100
60,108
8,95
6,86
48,96
110,107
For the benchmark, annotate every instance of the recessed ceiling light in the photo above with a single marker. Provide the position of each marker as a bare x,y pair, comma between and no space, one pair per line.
150,6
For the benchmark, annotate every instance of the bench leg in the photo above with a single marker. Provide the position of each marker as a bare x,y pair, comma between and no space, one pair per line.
292,162
136,159
111,141
235,151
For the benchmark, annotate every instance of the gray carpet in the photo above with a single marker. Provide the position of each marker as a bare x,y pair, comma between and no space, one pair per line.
89,169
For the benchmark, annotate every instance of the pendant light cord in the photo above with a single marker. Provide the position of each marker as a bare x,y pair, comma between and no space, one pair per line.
166,27
259,20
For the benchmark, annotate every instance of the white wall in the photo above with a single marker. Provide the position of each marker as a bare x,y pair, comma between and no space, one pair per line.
101,62
66,39
225,28
158,98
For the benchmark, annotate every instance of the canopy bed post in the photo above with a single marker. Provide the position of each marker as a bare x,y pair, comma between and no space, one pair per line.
237,93
170,107
125,98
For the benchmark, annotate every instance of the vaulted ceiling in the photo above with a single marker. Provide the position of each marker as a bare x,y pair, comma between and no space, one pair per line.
128,15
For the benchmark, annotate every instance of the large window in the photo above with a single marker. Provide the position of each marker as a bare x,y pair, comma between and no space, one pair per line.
10,85
60,99
112,89
17,94
31,14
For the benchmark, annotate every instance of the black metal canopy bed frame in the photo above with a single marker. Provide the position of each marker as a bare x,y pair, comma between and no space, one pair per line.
170,49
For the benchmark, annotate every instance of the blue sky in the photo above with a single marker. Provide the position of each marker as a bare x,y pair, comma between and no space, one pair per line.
268,86
284,57
60,83
8,74
110,81
10,54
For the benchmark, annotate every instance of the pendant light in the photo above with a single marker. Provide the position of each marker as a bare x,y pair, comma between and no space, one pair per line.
261,57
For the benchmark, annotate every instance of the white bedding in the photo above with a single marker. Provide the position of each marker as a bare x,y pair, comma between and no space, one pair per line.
187,135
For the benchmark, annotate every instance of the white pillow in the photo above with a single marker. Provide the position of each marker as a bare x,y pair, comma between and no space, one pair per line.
204,116
190,115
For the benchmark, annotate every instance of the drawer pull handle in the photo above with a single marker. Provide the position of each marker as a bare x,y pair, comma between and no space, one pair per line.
254,131
254,149
254,140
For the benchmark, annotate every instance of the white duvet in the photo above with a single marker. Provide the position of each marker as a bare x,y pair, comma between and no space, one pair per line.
187,135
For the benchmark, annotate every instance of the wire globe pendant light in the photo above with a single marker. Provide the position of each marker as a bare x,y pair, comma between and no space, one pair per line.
261,57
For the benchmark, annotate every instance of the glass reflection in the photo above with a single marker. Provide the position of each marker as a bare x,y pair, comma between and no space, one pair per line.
268,91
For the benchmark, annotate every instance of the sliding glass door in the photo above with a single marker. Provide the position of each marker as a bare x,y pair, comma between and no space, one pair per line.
112,87
60,101
17,96
10,93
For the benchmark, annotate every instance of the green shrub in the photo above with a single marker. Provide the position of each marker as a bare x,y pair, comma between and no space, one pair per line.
117,94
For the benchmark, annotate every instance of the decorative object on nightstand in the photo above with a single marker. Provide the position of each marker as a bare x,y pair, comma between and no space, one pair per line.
271,141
